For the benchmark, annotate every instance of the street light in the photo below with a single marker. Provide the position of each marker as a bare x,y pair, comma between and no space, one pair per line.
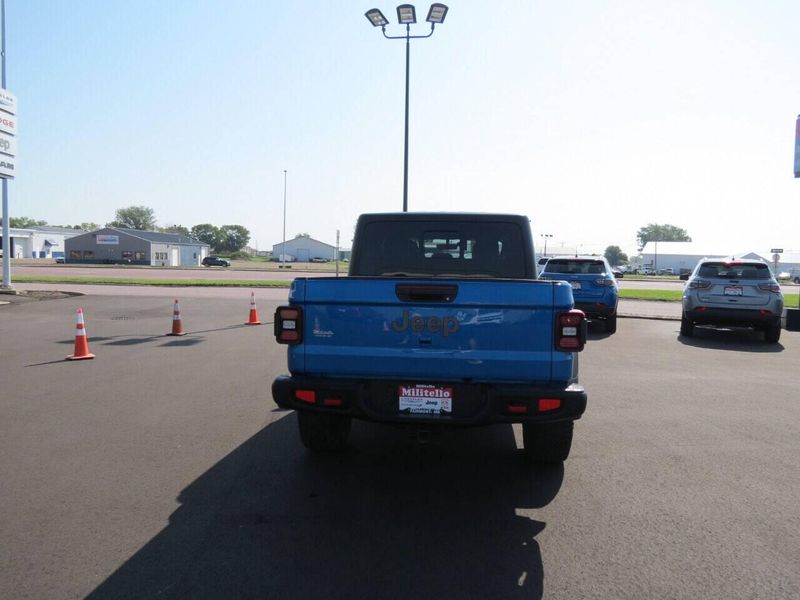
406,15
283,246
545,236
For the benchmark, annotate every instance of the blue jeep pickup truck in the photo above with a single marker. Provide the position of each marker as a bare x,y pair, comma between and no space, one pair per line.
441,322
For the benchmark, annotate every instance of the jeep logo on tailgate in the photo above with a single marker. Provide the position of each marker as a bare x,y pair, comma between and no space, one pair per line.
444,325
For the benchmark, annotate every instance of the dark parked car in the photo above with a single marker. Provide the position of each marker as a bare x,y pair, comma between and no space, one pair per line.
215,261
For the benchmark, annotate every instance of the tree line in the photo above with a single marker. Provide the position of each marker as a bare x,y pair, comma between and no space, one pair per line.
652,232
227,238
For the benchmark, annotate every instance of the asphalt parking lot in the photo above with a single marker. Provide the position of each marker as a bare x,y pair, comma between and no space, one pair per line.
162,469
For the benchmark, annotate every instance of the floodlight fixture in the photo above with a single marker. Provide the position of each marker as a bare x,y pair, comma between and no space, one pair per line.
406,15
436,14
376,17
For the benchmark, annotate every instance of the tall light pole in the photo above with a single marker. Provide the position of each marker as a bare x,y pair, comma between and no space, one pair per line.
283,246
545,236
406,15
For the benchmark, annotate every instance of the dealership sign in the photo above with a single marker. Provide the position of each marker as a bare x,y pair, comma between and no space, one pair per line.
108,240
8,102
8,123
8,133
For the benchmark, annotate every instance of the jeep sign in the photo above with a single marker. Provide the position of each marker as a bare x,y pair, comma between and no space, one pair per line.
8,144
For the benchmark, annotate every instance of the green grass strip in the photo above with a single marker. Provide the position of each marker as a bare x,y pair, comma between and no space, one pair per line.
666,295
789,300
157,282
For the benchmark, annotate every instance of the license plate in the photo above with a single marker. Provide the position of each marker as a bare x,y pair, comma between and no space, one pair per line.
576,285
732,290
424,399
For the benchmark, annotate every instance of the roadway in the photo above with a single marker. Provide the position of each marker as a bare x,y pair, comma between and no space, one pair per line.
162,468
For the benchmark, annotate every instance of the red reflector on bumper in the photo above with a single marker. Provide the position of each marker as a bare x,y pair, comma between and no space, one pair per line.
517,409
308,396
333,402
566,343
546,404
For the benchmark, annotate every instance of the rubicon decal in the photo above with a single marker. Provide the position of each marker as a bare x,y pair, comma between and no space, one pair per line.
417,324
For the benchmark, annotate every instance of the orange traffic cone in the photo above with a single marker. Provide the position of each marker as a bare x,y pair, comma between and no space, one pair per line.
81,343
253,312
177,324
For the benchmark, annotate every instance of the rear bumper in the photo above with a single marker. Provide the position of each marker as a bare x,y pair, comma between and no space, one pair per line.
593,311
473,404
732,317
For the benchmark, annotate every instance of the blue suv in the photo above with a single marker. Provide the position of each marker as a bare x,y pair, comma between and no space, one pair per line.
593,285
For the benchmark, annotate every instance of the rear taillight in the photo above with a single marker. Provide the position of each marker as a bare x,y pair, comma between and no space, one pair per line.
307,396
699,284
288,325
571,331
770,287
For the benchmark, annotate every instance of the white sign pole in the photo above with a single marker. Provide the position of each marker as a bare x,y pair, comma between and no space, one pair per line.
7,252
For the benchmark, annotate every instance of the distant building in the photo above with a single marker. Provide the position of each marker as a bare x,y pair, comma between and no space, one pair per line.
303,249
114,245
680,256
39,241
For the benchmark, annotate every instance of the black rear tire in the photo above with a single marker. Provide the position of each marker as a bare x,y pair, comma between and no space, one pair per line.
547,442
323,432
611,324
772,334
687,327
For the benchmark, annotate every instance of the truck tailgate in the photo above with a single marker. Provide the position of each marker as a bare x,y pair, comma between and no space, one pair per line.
430,330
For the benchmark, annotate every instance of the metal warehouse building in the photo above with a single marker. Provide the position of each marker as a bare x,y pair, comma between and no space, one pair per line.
303,249
680,256
113,245
39,241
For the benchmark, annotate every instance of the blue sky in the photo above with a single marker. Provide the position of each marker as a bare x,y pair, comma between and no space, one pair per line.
592,118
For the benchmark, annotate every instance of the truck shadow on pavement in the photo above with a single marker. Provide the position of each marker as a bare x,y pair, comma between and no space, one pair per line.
389,518
734,339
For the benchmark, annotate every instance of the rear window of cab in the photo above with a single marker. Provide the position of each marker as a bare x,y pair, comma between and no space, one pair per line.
575,266
734,270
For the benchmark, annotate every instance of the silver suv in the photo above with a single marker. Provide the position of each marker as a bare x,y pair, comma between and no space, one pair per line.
734,293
